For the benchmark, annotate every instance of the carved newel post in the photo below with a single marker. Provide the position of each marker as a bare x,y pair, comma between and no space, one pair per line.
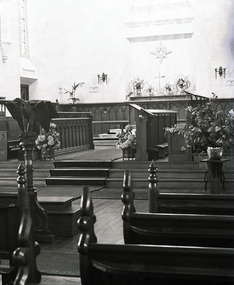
25,255
39,216
31,117
153,188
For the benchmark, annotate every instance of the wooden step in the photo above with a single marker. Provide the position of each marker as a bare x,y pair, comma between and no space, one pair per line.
162,173
162,183
82,163
63,223
75,181
8,181
85,172
55,203
13,173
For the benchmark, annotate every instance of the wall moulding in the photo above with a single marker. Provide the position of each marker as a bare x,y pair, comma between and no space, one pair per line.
162,28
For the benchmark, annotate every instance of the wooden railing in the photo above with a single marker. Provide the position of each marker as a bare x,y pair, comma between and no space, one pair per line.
75,133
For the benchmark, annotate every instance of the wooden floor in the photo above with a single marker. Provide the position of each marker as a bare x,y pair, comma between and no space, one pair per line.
108,229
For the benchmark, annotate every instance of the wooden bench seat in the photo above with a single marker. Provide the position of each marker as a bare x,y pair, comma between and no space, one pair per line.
173,229
147,264
158,151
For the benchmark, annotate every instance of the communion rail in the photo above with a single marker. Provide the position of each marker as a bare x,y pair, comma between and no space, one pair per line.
75,133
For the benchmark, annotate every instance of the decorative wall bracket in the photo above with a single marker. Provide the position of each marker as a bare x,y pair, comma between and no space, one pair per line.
4,50
221,71
102,78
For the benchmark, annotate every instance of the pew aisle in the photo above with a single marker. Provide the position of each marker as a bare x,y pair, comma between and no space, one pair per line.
61,257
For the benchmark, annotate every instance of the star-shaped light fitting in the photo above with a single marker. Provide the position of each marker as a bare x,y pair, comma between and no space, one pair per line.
161,52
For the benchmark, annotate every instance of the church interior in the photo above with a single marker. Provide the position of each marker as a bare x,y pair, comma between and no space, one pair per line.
116,142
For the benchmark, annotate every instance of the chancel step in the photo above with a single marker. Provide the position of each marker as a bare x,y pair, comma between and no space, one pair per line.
98,172
67,180
82,163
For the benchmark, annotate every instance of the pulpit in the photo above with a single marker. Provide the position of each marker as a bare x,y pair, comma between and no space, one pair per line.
150,124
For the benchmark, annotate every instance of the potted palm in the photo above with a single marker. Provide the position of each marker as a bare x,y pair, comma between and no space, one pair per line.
72,93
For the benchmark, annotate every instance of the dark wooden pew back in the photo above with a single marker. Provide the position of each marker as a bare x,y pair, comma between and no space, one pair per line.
213,204
9,226
147,264
187,203
173,229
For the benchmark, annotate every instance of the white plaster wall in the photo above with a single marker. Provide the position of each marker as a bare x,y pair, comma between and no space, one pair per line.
214,46
10,69
73,41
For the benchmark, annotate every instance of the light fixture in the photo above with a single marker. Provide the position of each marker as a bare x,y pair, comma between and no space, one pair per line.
221,71
102,77
4,50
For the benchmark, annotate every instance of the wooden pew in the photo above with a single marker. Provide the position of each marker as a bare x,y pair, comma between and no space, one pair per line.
214,204
182,203
17,239
173,229
147,264
9,225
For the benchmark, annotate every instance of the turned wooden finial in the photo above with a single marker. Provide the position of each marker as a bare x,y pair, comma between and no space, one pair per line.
86,222
153,188
22,190
127,196
25,255
153,179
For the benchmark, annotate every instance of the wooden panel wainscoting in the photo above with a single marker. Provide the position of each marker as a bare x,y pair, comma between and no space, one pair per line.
75,133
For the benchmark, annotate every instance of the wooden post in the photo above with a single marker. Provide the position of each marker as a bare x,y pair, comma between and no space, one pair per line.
153,188
3,145
39,216
25,255
141,136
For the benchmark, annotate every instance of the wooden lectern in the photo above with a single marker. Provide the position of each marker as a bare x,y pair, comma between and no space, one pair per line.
150,124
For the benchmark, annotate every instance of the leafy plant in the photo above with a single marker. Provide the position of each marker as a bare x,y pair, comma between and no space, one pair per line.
205,127
73,92
208,127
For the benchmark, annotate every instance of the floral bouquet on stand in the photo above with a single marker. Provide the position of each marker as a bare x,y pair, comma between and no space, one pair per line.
47,142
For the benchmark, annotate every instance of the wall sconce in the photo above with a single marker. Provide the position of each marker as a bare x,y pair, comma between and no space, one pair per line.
221,71
102,77
4,50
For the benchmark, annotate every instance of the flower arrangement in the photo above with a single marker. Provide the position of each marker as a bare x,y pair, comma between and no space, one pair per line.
126,139
137,82
168,87
182,82
48,139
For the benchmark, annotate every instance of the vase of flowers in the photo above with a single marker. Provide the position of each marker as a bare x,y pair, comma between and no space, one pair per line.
127,142
138,85
182,83
47,142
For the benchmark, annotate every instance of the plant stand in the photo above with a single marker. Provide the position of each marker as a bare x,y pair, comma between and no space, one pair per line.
129,153
214,176
47,153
